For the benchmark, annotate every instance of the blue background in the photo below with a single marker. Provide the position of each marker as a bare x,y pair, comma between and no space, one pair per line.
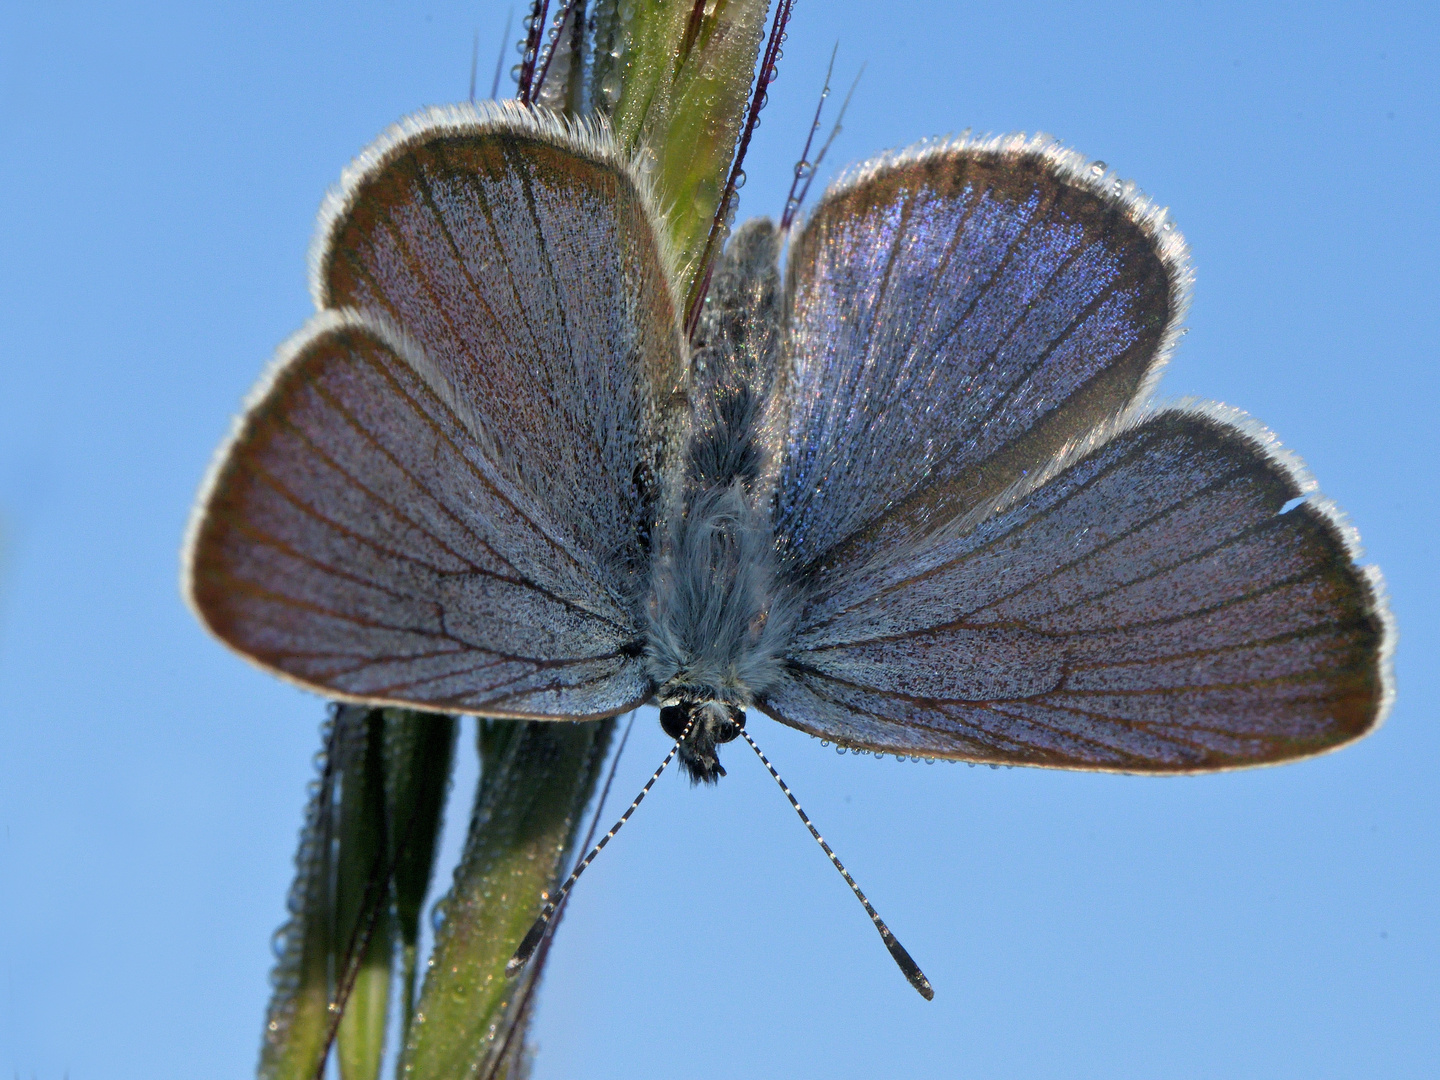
162,164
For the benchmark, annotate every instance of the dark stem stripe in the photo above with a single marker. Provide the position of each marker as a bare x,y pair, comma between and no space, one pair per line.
763,78
553,46
539,9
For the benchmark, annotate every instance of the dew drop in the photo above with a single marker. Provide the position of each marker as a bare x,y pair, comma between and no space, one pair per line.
610,88
1098,168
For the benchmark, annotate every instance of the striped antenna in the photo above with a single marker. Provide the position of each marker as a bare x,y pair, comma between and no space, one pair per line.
537,931
908,967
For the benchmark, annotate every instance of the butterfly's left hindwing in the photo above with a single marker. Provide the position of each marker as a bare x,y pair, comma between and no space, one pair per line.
957,314
993,558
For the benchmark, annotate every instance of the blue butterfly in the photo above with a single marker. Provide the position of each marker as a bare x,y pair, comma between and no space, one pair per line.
914,497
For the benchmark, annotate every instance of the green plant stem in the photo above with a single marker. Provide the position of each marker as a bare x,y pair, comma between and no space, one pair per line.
536,779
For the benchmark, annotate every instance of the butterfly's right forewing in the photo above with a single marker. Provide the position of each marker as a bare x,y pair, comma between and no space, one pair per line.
357,540
444,493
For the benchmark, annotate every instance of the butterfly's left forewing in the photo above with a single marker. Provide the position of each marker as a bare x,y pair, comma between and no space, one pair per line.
1144,606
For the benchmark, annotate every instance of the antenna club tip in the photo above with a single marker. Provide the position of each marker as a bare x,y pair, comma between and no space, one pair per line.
528,946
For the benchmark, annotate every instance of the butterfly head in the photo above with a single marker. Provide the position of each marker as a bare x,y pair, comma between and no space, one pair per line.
710,723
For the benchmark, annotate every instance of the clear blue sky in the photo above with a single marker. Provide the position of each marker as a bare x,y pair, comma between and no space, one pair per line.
162,165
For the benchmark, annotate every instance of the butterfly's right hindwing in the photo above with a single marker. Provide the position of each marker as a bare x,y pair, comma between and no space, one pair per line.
444,495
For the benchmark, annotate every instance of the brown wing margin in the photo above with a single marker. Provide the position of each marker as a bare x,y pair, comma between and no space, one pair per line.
354,539
1144,607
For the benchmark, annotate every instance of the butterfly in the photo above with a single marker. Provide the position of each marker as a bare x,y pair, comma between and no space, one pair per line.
912,496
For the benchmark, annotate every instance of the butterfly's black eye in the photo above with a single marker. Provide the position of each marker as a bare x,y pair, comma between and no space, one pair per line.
674,718
729,729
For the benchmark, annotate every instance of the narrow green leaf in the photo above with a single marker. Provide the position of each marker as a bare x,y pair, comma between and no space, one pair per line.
298,1017
419,755
536,778
674,77
364,919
